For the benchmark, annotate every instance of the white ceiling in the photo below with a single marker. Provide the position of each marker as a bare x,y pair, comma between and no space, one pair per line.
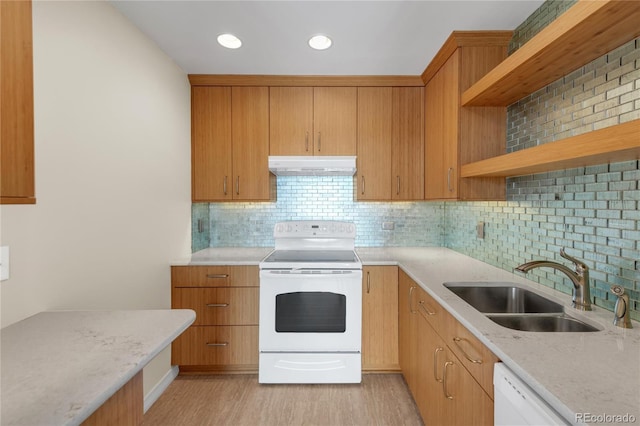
369,37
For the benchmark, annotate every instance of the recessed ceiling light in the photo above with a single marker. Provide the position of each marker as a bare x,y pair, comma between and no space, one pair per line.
229,41
320,42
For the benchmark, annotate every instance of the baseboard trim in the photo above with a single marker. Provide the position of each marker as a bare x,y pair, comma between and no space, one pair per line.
160,387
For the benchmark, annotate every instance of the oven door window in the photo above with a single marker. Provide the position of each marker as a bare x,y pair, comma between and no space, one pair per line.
311,312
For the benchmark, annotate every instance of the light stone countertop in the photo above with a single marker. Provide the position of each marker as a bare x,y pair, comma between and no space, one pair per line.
226,256
594,373
58,367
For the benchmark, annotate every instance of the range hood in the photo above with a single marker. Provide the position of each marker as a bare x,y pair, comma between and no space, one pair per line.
312,165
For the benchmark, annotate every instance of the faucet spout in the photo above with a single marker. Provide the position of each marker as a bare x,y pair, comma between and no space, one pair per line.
579,278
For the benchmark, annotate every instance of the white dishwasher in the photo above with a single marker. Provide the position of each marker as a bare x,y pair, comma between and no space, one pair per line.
517,404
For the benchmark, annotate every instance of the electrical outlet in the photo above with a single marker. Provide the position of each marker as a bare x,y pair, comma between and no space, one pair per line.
388,226
4,263
480,230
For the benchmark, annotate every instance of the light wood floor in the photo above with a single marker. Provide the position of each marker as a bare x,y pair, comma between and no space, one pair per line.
381,399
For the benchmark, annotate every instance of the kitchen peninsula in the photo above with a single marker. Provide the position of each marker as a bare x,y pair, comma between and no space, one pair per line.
59,367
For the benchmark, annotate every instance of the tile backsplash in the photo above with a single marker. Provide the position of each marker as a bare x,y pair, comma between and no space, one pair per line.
592,211
325,198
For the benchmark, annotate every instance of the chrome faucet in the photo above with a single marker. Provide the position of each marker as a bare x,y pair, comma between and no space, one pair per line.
579,278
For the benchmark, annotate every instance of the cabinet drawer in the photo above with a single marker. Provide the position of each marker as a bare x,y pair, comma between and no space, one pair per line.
219,306
431,310
217,346
215,276
473,354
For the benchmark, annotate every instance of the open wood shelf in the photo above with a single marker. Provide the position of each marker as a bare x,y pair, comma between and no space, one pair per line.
608,145
586,31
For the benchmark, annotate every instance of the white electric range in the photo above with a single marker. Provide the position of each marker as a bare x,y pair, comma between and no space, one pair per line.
311,305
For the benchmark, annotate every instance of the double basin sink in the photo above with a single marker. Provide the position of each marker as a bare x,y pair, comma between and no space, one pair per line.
517,308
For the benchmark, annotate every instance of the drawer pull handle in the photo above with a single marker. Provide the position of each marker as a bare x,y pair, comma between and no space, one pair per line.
435,364
411,299
457,341
217,275
368,282
218,344
444,379
425,309
217,305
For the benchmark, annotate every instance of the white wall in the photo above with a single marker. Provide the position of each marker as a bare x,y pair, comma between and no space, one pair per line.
112,131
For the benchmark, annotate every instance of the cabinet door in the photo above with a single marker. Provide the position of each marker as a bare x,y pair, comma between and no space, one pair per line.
374,143
407,329
441,132
250,135
17,182
291,120
429,369
211,144
380,318
334,120
408,143
463,400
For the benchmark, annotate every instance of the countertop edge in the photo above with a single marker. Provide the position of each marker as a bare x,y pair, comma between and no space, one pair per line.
122,380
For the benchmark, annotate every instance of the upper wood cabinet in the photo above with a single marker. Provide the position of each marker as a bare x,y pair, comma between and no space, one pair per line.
17,181
211,144
390,143
407,167
334,120
455,135
375,132
230,143
312,120
291,120
250,135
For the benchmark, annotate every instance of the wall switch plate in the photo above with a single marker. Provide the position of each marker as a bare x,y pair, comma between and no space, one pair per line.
388,226
4,263
480,230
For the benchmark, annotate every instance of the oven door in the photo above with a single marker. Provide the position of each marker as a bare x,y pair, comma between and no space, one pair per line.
310,311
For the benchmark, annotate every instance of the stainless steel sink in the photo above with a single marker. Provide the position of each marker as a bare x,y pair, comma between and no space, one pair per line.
545,323
517,308
503,299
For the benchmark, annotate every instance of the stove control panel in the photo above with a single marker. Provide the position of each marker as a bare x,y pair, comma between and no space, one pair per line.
314,229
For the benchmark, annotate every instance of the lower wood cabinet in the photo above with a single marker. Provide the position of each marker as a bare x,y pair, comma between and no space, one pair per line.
446,392
380,318
407,329
224,336
446,368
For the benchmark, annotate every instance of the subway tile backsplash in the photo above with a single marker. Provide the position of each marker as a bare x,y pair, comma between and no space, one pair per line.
592,211
325,198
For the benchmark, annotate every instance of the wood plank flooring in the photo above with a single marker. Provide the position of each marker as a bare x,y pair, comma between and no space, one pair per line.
381,399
